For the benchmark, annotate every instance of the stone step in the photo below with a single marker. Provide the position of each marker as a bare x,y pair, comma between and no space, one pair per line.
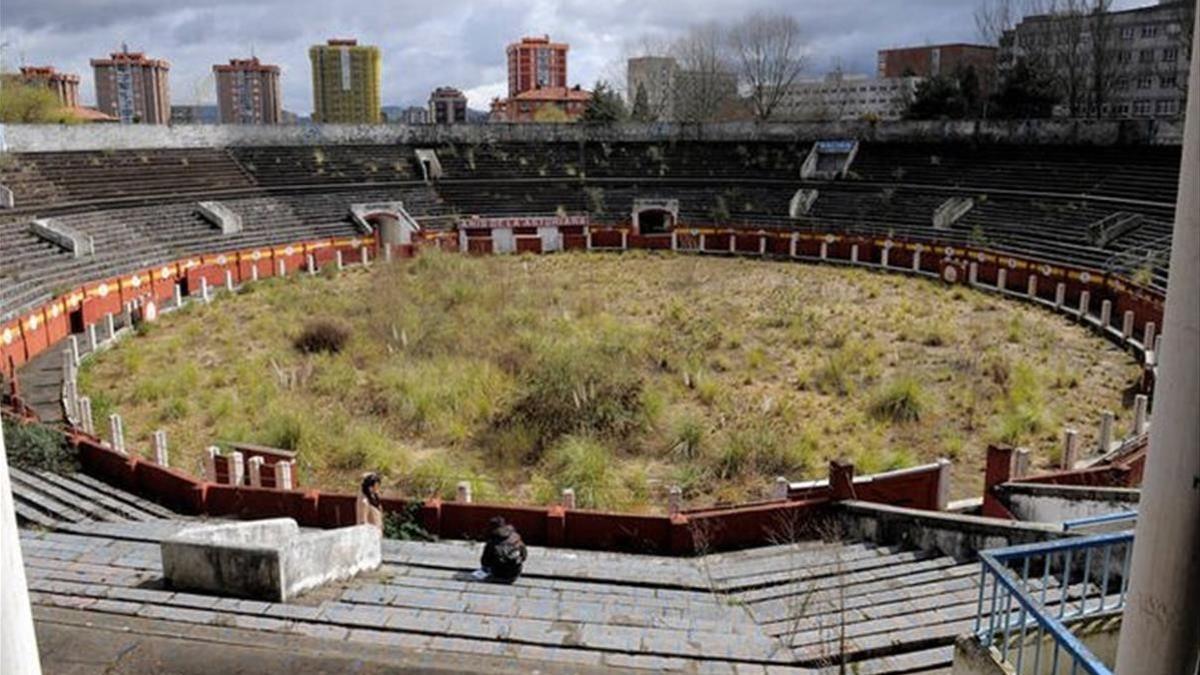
122,509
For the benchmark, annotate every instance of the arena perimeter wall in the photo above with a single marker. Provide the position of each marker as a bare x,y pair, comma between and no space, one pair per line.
58,138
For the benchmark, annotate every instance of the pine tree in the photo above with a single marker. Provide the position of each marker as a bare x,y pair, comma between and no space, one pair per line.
641,106
605,106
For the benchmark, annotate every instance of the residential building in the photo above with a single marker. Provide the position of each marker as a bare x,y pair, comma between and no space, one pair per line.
248,92
447,105
1129,63
934,60
848,97
537,80
346,82
133,88
195,114
536,63
64,85
413,114
653,78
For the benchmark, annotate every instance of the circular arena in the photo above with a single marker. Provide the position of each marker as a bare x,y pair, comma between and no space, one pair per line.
805,360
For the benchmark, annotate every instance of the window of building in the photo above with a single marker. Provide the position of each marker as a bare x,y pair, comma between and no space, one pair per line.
1122,83
1170,54
1142,107
1124,56
1150,30
1145,82
1168,81
1146,56
1127,33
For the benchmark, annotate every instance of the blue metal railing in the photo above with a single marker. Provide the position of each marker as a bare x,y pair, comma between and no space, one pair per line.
1032,589
1104,519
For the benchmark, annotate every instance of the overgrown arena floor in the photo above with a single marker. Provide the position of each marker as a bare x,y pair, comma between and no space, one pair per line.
617,375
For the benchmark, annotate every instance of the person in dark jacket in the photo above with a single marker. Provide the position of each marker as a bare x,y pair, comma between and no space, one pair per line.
503,552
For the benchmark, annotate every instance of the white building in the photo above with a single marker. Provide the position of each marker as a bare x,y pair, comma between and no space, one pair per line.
848,97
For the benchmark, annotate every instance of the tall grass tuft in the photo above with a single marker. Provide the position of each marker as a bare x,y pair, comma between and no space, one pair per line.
899,401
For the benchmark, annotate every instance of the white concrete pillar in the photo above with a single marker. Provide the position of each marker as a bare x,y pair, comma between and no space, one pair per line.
110,326
1021,463
1060,295
943,492
280,268
1070,452
1085,304
160,448
116,431
178,292
732,242
624,240
1159,631
762,245
1002,278
1141,404
973,273
204,289
70,394
340,260
237,470
1148,336
93,339
18,643
1031,286
86,421
210,463
1127,325
587,234
462,492
283,475
883,256
780,489
854,253
1106,430
1105,314
824,250
364,255
311,263
674,500
254,272
73,345
1157,347
916,260
255,464
229,280
792,245
702,240
568,498
674,240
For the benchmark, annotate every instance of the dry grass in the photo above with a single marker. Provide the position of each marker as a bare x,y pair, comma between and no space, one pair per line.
621,374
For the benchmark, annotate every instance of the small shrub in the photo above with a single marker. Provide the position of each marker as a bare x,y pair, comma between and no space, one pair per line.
322,335
901,400
687,438
586,466
33,446
405,525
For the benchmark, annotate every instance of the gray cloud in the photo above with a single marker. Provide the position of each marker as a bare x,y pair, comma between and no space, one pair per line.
453,42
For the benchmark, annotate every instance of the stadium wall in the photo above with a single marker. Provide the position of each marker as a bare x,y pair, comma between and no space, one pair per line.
58,138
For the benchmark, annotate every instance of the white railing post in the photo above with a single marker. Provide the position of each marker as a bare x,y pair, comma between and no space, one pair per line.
568,498
1127,325
93,339
1085,304
1002,279
229,280
1106,430
1140,406
854,253
1031,287
341,263
1021,463
364,256
280,268
86,421
943,492
255,464
1060,295
1070,450
160,448
110,325
780,489
462,492
1106,314
237,470
73,344
177,291
210,463
1148,336
674,500
283,475
311,262
204,289
117,432
973,273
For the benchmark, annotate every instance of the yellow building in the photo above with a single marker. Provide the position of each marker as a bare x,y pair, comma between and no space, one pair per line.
346,83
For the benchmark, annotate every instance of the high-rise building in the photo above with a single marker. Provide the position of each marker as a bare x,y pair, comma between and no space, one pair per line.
1131,63
662,91
537,82
133,88
248,92
64,85
447,105
536,63
346,82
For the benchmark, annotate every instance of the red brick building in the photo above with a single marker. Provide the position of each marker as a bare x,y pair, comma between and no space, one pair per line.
64,85
133,88
936,60
248,92
537,79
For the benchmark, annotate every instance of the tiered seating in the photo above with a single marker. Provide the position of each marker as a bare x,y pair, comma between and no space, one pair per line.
48,499
55,177
311,165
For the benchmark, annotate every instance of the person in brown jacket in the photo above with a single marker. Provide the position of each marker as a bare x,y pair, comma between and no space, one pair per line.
369,507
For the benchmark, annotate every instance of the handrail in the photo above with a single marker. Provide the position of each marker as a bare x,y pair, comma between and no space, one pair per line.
1035,613
1119,516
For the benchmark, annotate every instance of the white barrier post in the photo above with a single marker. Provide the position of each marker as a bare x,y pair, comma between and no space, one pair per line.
160,448
674,500
229,280
280,268
283,475
73,343
973,273
824,250
1127,325
781,488
256,465
1140,405
1070,451
462,492
1060,295
854,253
792,245
568,498
1148,336
1002,279
1106,430
204,289
237,470
312,264
364,256
1031,286
943,493
1021,463
210,463
86,421
1085,304
117,432
110,326
341,263
1106,314
93,339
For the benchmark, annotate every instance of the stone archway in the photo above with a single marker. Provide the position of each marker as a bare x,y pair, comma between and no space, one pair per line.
655,216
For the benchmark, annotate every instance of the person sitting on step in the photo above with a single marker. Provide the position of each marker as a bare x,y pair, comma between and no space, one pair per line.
369,509
503,553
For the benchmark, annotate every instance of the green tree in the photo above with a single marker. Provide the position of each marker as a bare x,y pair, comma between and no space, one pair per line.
953,96
1028,92
22,103
605,106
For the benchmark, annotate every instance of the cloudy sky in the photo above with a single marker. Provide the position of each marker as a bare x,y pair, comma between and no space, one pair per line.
439,42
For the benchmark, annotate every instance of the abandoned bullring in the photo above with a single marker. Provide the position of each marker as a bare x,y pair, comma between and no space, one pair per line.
880,399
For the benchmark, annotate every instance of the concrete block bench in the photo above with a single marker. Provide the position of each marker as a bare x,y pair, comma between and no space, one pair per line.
266,559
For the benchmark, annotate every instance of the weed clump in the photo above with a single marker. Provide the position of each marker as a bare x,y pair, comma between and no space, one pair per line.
901,400
322,336
33,446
